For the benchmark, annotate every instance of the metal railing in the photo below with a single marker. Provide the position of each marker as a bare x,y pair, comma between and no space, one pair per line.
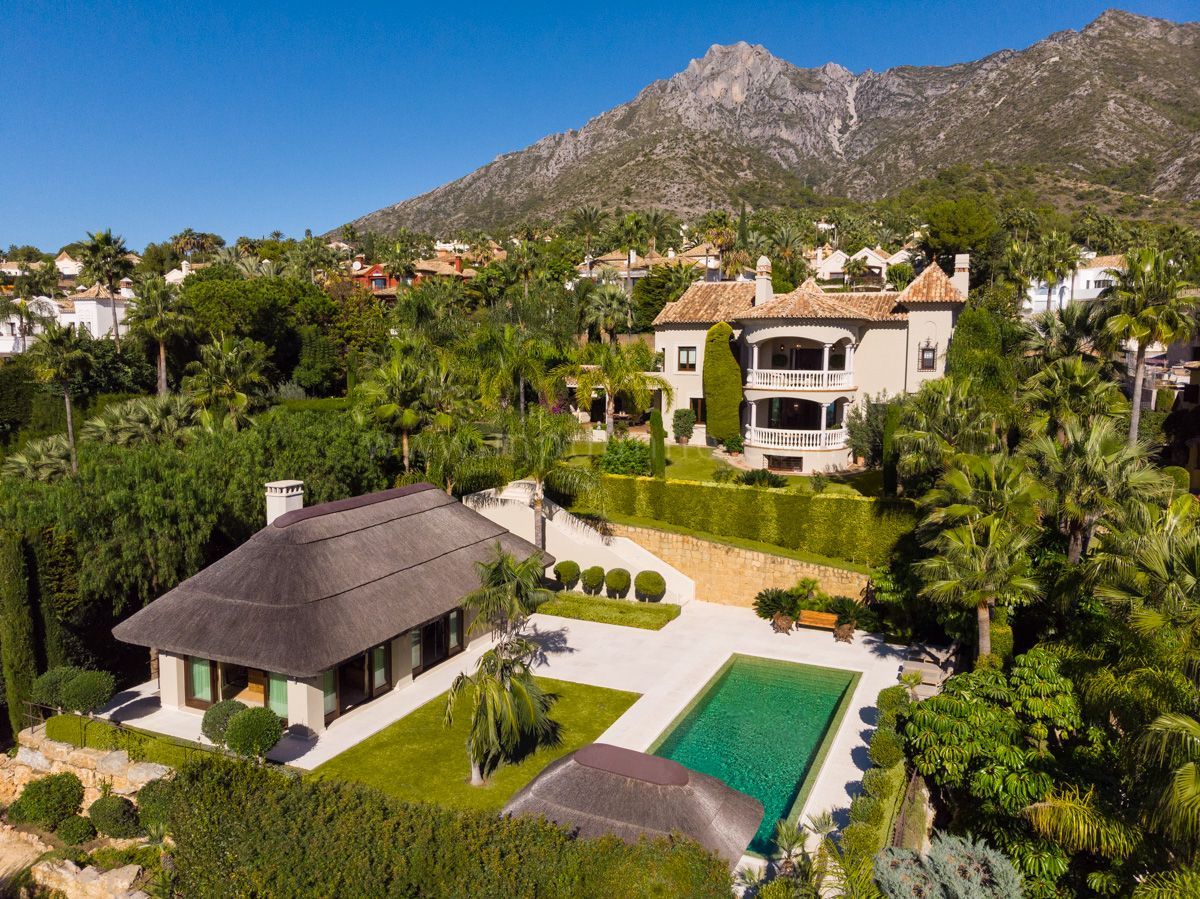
789,379
778,438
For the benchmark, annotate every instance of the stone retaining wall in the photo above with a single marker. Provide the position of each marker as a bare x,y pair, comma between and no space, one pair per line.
67,879
37,756
733,576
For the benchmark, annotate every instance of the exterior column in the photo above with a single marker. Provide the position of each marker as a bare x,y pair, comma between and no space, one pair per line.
754,415
754,355
824,413
825,358
850,347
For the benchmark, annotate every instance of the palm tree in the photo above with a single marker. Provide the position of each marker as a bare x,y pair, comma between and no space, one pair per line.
660,226
27,306
976,489
1146,305
392,395
1070,391
1022,263
510,590
941,419
1173,740
156,314
856,270
616,371
163,419
977,566
607,306
1057,256
587,222
61,355
509,358
508,707
106,261
47,460
456,454
678,277
1075,330
226,380
539,445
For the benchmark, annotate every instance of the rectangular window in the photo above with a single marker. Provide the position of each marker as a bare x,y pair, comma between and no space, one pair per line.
277,690
455,630
415,642
928,361
697,404
379,673
379,283
199,686
1104,282
329,688
687,358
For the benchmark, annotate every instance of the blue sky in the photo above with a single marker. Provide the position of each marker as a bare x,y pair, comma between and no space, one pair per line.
241,118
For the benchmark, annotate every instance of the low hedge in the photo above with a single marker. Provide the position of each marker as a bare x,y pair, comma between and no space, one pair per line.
247,830
872,813
649,586
567,573
115,816
592,580
48,801
100,734
87,691
856,528
616,583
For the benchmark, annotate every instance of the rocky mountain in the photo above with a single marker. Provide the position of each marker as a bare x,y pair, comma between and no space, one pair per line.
1116,102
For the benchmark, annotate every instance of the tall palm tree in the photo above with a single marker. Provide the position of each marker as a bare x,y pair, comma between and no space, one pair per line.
588,222
616,371
510,590
60,356
941,419
1057,257
977,566
1021,260
1173,740
606,307
456,455
1070,391
509,357
661,228
539,446
976,489
1075,330
156,313
1145,305
507,705
224,382
106,260
392,395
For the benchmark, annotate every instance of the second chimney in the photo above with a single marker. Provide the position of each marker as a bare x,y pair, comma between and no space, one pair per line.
284,496
763,291
962,273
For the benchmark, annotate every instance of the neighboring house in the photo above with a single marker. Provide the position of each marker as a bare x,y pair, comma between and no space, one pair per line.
15,268
176,275
831,265
808,355
627,266
68,266
324,609
92,309
1085,284
373,277
424,269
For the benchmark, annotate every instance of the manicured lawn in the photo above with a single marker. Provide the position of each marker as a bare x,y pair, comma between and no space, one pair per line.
417,759
684,463
651,616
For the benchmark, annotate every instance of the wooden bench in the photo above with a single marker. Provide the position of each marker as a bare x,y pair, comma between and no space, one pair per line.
823,620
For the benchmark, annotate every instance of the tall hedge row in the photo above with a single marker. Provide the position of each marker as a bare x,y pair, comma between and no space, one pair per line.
242,830
855,528
16,628
722,377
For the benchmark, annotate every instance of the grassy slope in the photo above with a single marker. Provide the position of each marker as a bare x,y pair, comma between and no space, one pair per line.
418,759
648,616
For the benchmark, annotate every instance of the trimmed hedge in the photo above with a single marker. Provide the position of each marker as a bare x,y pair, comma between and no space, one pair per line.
253,732
247,830
722,379
616,583
649,586
886,748
592,580
839,526
75,830
658,446
154,803
87,691
217,716
115,816
47,689
567,573
48,801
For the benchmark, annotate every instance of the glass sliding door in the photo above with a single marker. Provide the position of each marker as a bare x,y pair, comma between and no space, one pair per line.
200,688
329,689
380,676
277,695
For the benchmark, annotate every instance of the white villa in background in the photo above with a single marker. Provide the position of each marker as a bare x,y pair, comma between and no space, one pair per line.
91,309
831,265
626,266
1083,285
808,355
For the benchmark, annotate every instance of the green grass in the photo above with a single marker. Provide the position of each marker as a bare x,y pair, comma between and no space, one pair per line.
629,613
417,759
141,745
684,463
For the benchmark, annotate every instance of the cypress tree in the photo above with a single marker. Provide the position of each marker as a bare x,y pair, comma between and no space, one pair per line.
722,385
16,628
658,445
891,456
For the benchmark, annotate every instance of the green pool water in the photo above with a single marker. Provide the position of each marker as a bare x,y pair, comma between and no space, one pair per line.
762,727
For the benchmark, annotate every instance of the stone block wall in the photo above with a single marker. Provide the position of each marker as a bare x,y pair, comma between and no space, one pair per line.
733,576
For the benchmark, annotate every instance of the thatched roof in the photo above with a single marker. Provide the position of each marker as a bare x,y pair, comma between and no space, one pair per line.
602,789
319,585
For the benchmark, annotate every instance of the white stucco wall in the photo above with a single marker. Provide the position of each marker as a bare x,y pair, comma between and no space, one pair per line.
171,682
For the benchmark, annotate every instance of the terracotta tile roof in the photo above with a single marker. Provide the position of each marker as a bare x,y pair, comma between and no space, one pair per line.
95,292
931,286
700,250
810,303
1114,261
709,302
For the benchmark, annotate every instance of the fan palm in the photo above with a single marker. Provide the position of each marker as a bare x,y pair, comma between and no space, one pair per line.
856,271
607,306
616,371
61,355
156,314
391,395
456,455
225,381
1070,391
941,419
1173,740
509,357
1075,330
44,460
587,222
162,419
540,444
976,489
106,261
1146,304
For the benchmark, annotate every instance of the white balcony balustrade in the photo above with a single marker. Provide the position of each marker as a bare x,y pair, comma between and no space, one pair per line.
778,438
789,379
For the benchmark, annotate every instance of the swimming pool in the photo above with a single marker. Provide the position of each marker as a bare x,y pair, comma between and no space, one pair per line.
762,726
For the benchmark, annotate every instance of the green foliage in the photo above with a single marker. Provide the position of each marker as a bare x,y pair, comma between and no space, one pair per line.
866,809
48,801
856,528
215,723
616,583
592,580
761,477
96,733
658,447
337,839
683,424
954,867
963,225
319,370
17,650
649,586
154,803
722,378
567,573
892,699
626,455
115,816
47,689
651,617
865,426
886,748
860,838
87,691
889,452
75,830
253,732
1179,477
734,444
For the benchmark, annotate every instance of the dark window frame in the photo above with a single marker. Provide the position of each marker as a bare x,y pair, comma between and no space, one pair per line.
927,358
697,405
189,688
682,366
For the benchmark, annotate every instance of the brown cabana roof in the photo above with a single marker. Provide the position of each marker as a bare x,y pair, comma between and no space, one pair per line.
322,584
603,789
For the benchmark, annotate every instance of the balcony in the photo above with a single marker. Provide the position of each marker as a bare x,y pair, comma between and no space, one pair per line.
778,438
792,379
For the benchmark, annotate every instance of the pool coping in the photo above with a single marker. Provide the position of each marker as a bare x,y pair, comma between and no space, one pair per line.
828,736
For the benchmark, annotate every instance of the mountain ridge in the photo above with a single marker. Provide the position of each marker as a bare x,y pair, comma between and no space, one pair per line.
740,123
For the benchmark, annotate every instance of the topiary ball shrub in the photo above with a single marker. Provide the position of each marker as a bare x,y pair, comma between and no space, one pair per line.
885,749
567,573
626,456
867,810
253,732
75,830
683,424
592,580
47,689
859,838
87,691
892,699
617,582
649,586
48,802
875,782
115,816
154,803
216,719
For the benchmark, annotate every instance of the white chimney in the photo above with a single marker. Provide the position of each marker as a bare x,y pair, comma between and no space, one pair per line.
763,292
284,496
185,267
962,273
